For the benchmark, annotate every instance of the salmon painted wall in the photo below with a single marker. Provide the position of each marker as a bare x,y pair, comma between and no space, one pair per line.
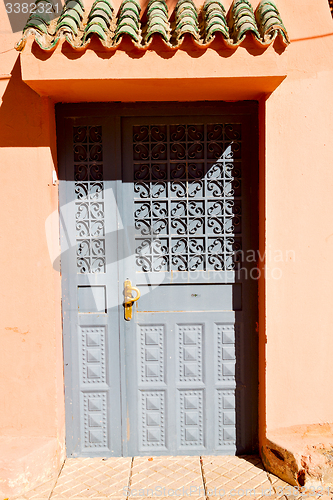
296,202
31,367
299,180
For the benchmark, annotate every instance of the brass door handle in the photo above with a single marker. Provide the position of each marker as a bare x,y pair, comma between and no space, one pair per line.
129,300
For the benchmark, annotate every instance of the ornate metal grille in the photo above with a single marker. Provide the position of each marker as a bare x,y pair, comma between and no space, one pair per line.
187,187
89,186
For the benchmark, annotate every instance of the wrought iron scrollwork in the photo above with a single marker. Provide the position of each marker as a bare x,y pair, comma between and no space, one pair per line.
89,187
187,188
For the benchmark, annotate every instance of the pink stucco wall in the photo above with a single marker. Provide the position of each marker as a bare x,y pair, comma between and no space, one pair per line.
31,374
31,367
296,203
299,179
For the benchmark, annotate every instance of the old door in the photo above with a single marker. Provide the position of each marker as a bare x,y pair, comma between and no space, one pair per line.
166,203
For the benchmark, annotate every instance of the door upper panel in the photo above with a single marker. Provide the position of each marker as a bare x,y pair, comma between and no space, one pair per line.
184,177
188,214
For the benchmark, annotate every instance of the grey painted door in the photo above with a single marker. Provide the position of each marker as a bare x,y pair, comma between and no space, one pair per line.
169,202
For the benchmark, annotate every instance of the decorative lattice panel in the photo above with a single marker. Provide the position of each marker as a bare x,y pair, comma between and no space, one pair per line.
95,420
93,373
187,181
151,353
93,355
226,356
190,353
226,418
191,418
152,419
89,187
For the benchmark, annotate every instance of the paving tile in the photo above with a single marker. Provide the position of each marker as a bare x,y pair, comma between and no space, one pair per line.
236,477
42,492
167,477
93,478
305,494
246,497
229,478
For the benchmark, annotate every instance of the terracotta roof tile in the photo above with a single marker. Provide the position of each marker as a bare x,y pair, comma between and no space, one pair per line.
269,22
157,21
186,17
78,27
241,20
99,21
129,21
215,20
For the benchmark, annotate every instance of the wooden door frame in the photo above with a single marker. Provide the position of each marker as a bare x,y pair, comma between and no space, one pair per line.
158,109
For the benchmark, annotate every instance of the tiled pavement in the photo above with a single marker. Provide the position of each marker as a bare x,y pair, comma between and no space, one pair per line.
172,478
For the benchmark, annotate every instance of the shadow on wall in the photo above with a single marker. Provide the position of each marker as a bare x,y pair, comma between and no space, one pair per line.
23,114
